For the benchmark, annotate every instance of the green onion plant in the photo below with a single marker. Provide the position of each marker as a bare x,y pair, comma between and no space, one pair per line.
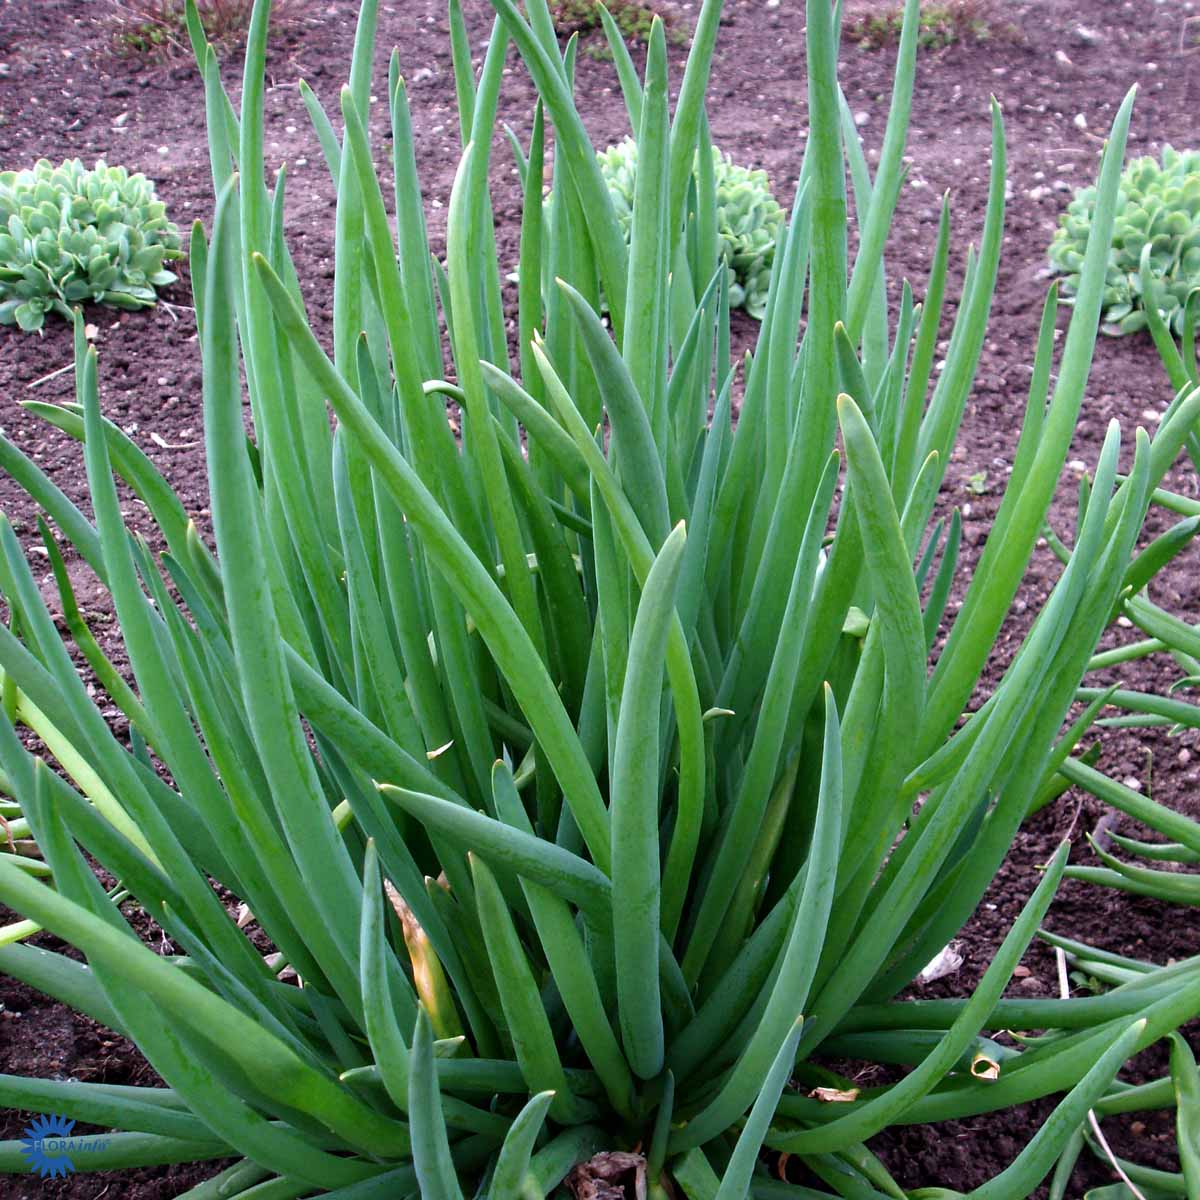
593,774
1163,865
1161,633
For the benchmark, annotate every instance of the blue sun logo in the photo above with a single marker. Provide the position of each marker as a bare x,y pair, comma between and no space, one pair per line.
42,1146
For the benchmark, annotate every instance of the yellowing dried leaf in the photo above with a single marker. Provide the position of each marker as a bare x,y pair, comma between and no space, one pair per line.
983,1067
831,1095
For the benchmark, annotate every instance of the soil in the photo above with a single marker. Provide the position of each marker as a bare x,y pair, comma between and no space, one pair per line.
1058,69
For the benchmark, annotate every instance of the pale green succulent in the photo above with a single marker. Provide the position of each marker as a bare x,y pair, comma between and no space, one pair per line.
748,219
69,235
1158,214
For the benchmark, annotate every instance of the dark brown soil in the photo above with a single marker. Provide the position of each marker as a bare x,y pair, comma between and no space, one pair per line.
65,93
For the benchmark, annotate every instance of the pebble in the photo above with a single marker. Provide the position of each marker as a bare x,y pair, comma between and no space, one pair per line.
1080,121
1083,35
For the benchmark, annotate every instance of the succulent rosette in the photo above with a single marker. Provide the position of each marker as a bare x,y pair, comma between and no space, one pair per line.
69,235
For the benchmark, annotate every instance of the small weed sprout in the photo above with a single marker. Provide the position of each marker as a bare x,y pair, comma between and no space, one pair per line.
634,19
159,27
943,23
